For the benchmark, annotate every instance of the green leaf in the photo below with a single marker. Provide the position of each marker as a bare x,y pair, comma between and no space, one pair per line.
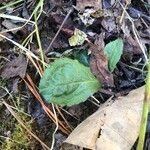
82,56
67,82
113,51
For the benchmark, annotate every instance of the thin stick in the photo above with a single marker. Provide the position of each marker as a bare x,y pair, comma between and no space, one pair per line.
96,100
48,49
68,113
63,117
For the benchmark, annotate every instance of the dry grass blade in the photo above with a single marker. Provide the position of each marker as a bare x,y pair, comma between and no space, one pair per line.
36,65
15,18
23,125
33,89
38,39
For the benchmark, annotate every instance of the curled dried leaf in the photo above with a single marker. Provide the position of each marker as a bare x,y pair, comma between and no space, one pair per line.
99,66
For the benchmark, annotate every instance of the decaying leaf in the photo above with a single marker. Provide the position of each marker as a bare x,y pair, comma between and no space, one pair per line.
99,66
94,4
88,7
16,67
102,13
78,38
86,17
110,127
10,25
67,82
109,24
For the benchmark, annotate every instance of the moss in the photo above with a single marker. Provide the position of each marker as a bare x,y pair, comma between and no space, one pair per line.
18,140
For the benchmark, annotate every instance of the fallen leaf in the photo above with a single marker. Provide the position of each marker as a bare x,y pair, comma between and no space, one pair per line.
16,67
109,24
15,84
86,17
86,8
94,4
3,1
110,127
102,13
131,46
10,25
76,110
58,20
99,65
78,38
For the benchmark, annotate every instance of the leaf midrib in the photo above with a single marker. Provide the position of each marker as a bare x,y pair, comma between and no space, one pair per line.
84,82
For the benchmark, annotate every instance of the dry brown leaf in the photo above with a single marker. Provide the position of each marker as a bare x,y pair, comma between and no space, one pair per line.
16,67
10,25
99,65
115,126
109,24
82,4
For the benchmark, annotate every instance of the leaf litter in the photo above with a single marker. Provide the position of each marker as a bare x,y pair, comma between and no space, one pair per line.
102,22
14,68
99,65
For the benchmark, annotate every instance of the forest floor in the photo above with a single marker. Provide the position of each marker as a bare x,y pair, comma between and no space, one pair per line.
35,33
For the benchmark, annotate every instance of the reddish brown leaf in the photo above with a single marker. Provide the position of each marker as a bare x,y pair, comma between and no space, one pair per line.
99,66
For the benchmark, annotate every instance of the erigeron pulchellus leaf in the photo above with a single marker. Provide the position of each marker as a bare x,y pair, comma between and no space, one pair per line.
113,51
67,82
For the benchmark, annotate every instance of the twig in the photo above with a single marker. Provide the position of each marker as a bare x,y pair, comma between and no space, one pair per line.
63,118
68,113
48,49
